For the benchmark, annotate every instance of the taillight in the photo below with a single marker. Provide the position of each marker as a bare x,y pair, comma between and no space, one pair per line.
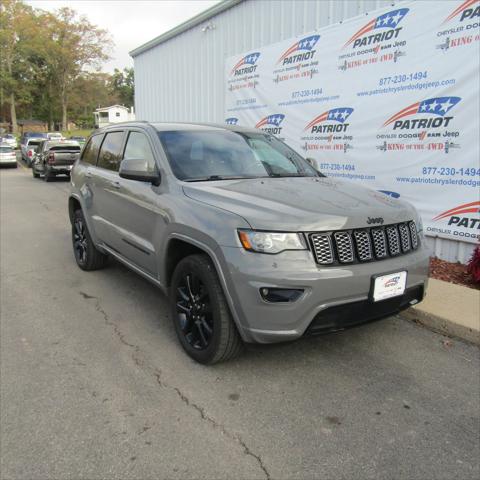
51,158
29,153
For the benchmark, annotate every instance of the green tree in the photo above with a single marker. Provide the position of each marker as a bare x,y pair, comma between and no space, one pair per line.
75,44
122,84
19,28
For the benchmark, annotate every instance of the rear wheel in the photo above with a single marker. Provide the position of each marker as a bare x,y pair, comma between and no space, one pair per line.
34,172
200,313
47,174
87,256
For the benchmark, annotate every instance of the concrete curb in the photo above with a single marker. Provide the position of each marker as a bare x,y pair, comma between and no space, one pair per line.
450,309
442,325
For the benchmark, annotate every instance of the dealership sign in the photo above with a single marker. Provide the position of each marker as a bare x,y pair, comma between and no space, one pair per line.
389,100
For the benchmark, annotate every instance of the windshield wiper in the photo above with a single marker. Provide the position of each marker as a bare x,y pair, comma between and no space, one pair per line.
213,178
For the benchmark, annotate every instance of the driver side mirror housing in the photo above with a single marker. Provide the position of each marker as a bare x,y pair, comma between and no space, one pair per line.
138,169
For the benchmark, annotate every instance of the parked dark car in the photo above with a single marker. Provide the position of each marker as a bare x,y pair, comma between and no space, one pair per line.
55,158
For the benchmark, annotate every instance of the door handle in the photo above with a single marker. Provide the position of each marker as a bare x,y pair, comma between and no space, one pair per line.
115,184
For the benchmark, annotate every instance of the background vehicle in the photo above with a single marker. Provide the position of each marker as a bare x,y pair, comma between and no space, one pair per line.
28,135
55,158
80,140
29,148
249,240
9,139
55,136
8,156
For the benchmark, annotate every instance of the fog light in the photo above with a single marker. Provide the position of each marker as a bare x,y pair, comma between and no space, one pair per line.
278,295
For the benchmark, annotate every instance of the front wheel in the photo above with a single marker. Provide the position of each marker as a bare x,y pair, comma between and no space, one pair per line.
200,313
87,256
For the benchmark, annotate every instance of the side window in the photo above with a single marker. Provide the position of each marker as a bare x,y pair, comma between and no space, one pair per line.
138,147
111,151
90,153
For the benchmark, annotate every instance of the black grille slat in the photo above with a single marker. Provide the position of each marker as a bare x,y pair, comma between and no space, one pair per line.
378,243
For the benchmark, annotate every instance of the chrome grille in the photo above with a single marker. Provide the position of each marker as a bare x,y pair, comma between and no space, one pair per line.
404,237
379,243
393,240
363,244
413,234
349,246
343,242
322,246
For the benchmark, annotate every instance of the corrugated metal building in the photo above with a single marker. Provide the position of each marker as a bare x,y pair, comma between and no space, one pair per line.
166,90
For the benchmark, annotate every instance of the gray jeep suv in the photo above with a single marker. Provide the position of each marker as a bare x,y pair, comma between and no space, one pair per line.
249,241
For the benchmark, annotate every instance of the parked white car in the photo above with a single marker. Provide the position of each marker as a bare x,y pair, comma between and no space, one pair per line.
56,136
9,139
8,157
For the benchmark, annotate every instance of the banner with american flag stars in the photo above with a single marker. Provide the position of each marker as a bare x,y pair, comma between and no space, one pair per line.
389,99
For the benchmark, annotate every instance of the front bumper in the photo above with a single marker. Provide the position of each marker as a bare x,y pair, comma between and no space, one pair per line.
326,290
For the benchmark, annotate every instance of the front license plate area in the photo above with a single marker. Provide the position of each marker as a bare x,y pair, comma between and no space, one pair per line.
388,286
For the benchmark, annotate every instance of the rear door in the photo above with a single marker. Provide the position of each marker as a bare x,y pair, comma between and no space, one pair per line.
85,175
105,186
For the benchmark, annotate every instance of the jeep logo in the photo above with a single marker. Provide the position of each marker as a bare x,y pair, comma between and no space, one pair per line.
371,220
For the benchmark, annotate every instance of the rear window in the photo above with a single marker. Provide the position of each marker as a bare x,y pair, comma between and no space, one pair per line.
34,143
65,148
6,149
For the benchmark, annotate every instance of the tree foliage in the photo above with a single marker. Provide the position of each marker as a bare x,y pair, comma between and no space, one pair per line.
50,66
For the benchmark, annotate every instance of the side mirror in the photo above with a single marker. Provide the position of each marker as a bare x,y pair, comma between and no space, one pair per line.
312,162
137,169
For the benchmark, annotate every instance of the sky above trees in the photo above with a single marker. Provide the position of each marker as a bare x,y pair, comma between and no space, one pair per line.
129,23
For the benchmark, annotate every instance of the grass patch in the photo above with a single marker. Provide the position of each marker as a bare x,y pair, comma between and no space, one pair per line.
77,133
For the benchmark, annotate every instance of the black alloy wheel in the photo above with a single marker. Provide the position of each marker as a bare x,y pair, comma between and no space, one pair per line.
87,256
80,245
200,312
194,313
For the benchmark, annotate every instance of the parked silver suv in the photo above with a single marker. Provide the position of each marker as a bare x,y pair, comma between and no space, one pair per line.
250,242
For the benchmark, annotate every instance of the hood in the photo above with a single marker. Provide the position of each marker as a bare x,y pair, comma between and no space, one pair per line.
301,203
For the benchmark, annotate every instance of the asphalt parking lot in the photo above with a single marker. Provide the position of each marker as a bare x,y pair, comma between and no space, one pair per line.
94,384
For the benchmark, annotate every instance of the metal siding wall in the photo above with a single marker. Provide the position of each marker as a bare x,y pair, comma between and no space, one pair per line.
166,89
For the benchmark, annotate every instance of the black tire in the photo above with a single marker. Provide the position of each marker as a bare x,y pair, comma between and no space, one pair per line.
220,340
47,175
86,254
34,172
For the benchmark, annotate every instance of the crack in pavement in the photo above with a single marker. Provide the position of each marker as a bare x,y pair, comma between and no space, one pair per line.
157,373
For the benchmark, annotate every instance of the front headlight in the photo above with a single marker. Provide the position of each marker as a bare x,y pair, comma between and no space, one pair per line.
271,242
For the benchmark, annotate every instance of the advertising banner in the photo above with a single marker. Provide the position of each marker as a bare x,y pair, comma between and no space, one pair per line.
389,99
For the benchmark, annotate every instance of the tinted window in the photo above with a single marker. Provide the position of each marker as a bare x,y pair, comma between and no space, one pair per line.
65,148
111,151
90,153
138,147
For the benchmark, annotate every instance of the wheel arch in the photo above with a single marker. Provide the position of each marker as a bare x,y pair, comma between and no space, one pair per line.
180,246
73,204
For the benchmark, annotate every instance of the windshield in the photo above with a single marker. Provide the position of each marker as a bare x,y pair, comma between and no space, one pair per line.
223,154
